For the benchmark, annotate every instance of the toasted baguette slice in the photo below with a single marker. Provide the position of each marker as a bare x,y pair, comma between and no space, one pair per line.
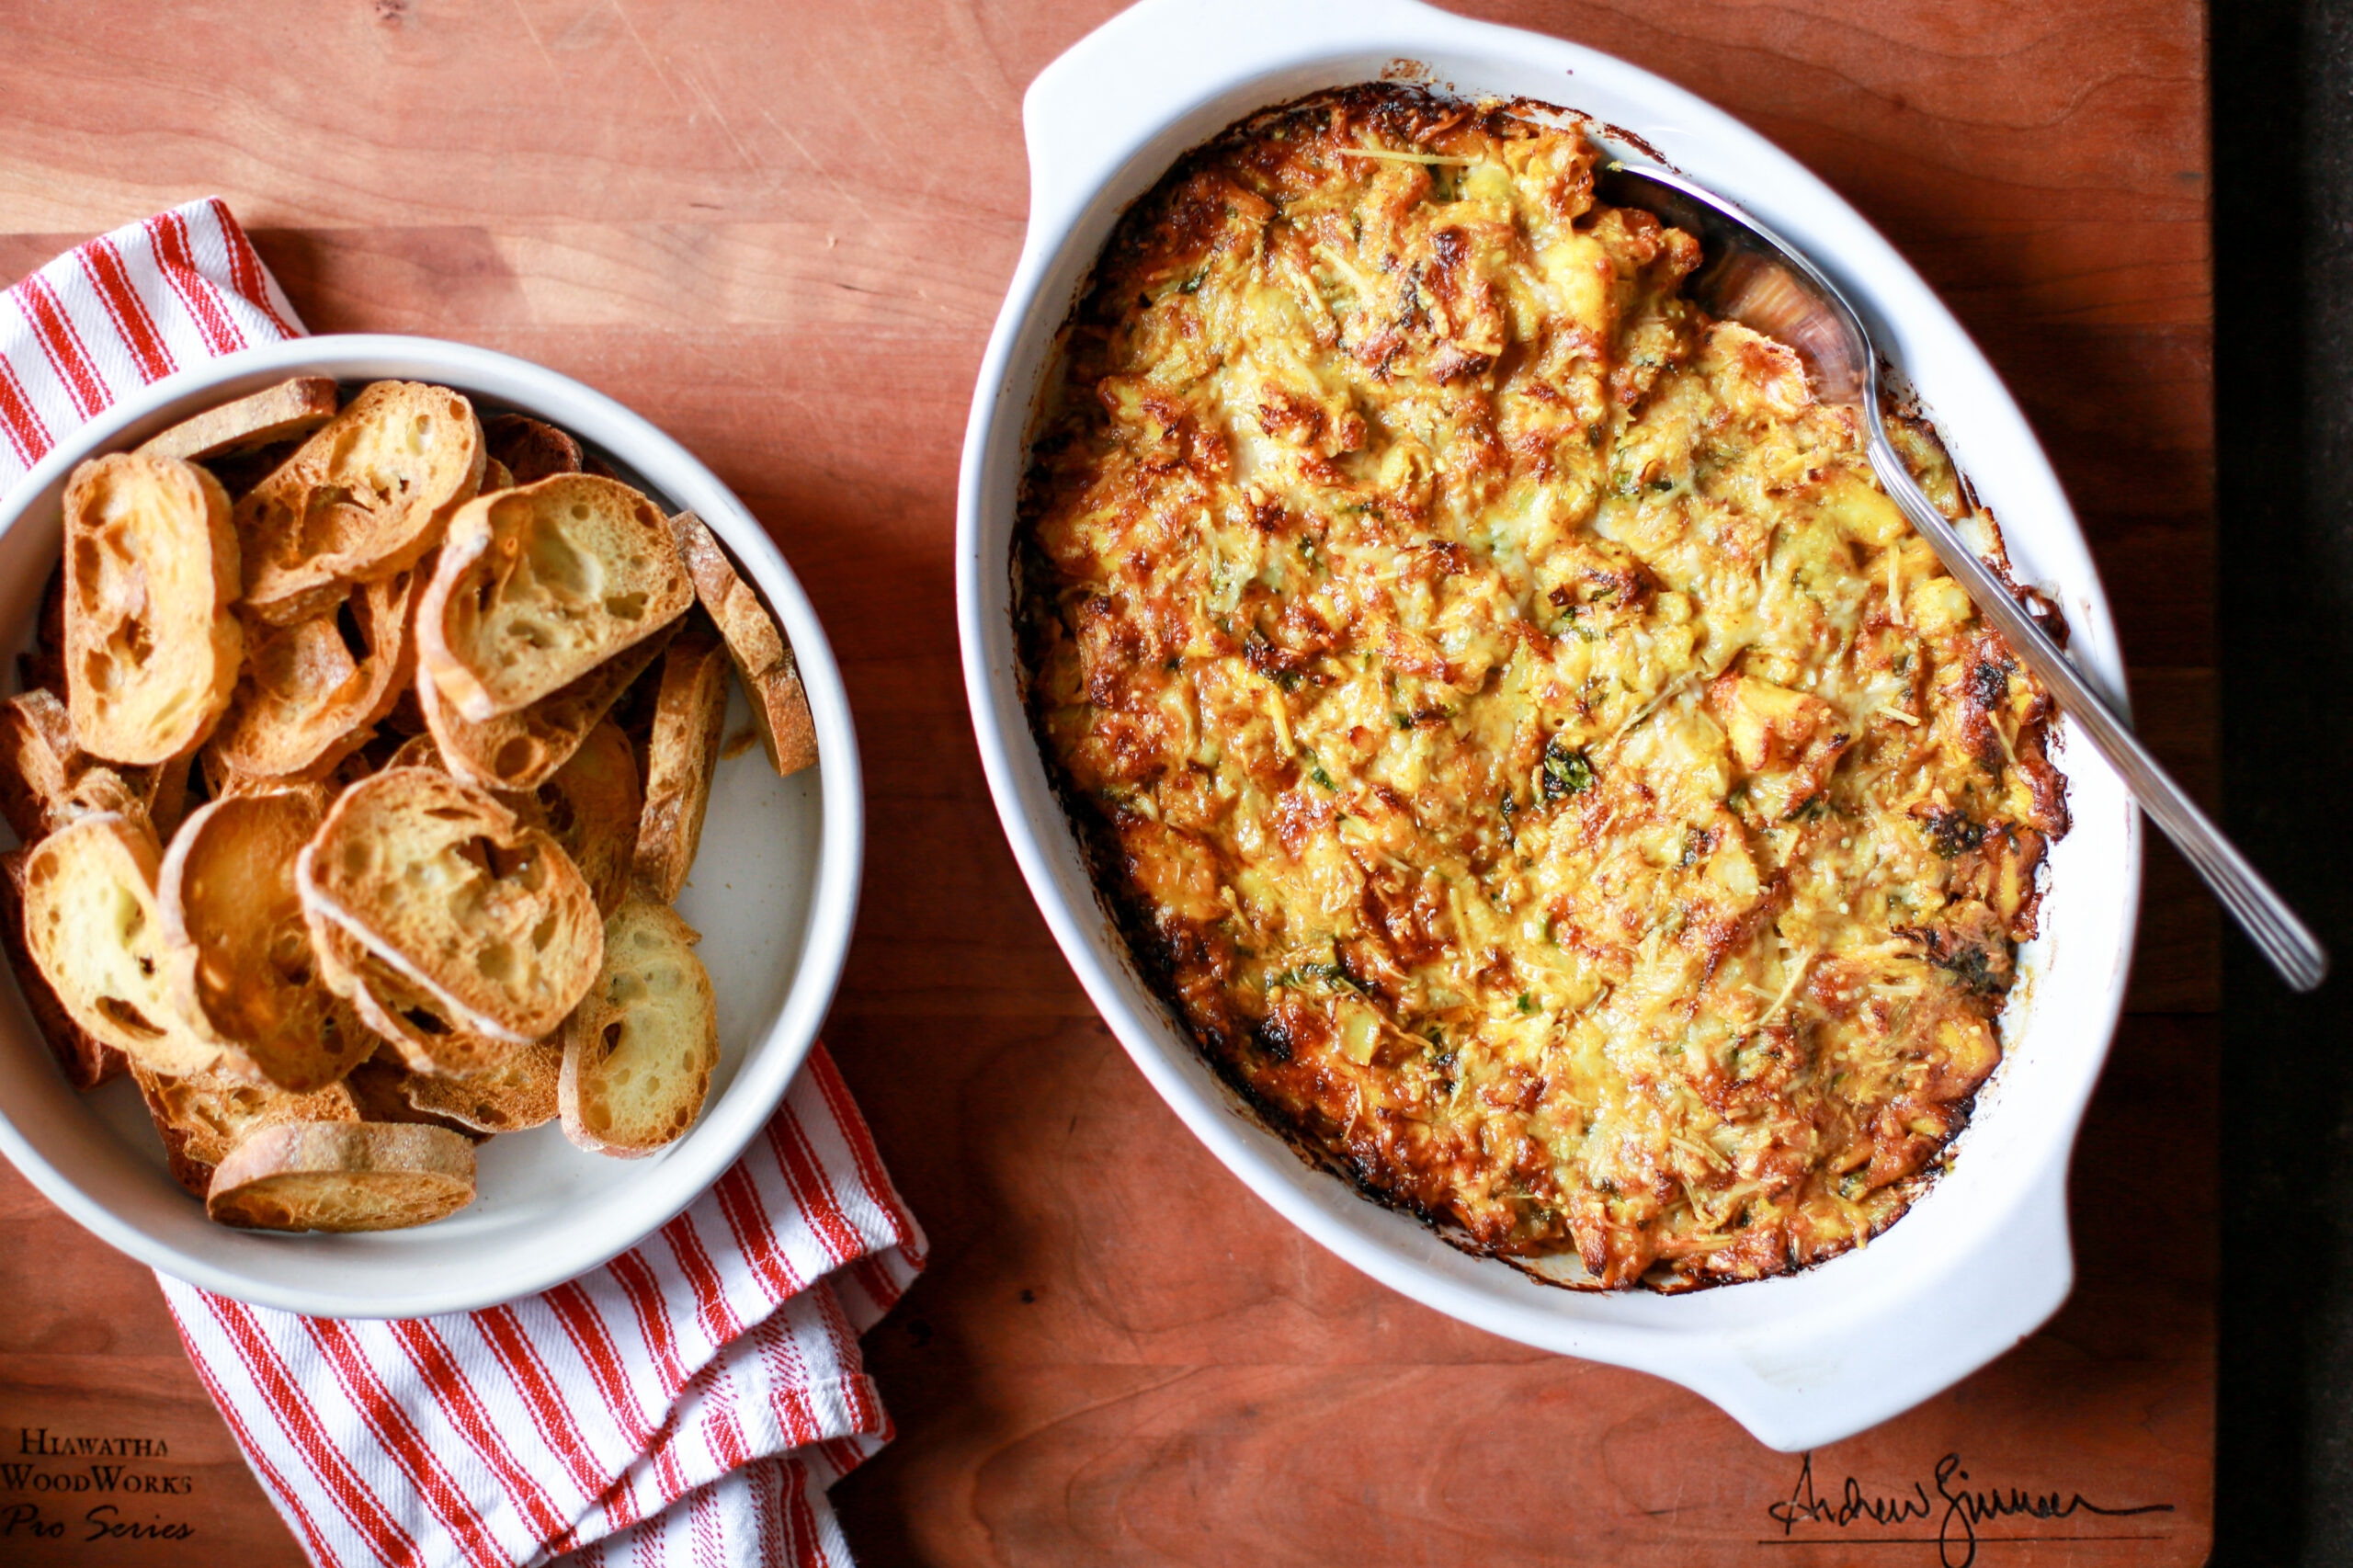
522,750
417,751
536,586
365,497
639,1053
312,693
237,951
48,780
40,761
414,1026
519,1094
483,915
343,1175
101,791
202,1118
593,807
380,1088
151,569
282,413
166,789
689,711
92,920
86,1060
532,449
771,676
495,475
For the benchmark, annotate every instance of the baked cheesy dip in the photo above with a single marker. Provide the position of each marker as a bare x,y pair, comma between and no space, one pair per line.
1547,777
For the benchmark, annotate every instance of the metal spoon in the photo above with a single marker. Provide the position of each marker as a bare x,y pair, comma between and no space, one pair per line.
1750,276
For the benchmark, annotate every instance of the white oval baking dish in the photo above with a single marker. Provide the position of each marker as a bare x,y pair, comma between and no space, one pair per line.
1983,1257
774,894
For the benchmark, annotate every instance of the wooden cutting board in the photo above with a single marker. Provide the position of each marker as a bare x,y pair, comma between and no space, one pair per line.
781,233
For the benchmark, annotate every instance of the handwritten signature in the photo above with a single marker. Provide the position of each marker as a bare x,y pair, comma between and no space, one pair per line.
1962,1508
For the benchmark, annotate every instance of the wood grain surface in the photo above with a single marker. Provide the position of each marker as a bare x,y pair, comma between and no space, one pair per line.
781,233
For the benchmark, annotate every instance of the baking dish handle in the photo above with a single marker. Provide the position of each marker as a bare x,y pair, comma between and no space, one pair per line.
1095,107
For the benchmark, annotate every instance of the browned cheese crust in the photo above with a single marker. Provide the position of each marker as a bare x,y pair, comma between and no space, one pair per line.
1539,766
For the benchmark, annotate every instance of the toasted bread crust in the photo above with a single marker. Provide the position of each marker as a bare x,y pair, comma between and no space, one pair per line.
416,1026
202,1118
593,807
447,887
532,449
524,749
40,761
312,693
343,1175
538,585
282,413
771,674
380,1088
151,567
48,780
689,712
516,1094
238,952
365,497
93,924
86,1060
640,1050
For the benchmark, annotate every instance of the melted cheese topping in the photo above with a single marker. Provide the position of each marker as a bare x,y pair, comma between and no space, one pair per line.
1541,766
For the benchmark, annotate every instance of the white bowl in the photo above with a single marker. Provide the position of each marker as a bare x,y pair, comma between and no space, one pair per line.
774,893
1983,1258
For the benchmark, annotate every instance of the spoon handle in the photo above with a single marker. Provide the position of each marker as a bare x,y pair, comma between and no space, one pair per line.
2261,913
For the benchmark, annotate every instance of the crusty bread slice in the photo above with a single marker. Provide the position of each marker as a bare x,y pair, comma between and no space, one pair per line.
522,750
365,497
763,660
689,711
495,475
282,413
311,693
151,569
343,1175
204,1116
638,1055
166,789
417,751
538,586
40,761
593,807
380,1088
519,1094
237,951
475,910
101,791
532,449
92,920
86,1060
416,1027
48,780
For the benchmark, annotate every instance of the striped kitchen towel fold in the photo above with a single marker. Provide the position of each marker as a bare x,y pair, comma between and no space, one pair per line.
690,1403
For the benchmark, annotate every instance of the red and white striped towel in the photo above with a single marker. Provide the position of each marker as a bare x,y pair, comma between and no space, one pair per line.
687,1403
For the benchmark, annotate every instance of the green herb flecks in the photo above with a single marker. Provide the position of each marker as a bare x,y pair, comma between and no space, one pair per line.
1565,772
